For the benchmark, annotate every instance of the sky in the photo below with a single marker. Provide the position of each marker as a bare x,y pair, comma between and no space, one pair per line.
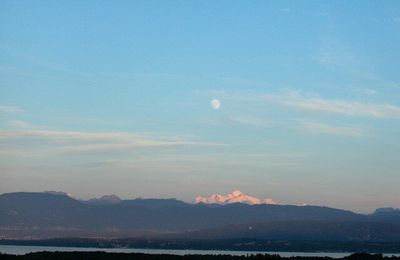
115,97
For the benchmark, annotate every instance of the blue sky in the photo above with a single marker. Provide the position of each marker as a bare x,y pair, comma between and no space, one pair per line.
101,97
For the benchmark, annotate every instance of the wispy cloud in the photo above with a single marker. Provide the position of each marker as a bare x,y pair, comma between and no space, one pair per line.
244,120
86,142
202,160
336,54
344,107
367,91
19,124
66,135
314,102
282,9
320,128
10,109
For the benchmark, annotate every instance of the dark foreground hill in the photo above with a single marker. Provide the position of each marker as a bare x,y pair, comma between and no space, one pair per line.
136,256
45,215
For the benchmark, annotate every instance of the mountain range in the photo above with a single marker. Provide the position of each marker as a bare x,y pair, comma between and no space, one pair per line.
30,215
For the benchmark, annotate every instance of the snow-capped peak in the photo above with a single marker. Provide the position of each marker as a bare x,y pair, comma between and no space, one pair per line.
236,193
234,197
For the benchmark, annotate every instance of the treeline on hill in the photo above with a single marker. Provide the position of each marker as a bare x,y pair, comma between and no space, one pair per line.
139,256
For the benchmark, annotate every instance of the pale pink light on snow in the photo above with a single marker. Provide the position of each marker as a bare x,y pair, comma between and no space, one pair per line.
234,197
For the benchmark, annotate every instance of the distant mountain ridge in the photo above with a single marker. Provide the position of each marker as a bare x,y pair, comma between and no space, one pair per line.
107,199
386,210
61,193
45,215
234,197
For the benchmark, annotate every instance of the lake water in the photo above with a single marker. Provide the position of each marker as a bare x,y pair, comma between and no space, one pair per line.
20,250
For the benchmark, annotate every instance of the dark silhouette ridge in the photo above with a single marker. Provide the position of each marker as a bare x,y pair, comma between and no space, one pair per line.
138,256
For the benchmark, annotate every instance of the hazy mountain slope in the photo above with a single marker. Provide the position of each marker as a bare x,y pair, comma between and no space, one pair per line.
303,230
389,215
155,203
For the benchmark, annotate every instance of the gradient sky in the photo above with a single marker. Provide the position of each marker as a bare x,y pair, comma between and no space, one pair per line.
113,97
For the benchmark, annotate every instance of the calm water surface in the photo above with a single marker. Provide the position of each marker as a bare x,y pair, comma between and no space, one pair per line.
20,250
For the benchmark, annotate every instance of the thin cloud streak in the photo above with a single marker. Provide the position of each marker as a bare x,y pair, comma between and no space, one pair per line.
336,54
10,109
87,142
246,120
19,124
132,145
243,120
319,128
66,135
348,108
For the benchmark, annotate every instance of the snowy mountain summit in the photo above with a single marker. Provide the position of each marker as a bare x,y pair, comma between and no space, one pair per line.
234,197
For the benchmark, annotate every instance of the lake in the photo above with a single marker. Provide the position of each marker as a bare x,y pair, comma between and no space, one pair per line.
20,250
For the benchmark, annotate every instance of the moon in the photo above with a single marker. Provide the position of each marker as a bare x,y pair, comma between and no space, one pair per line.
215,104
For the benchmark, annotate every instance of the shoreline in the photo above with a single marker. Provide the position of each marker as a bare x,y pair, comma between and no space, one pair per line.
235,245
25,249
147,256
